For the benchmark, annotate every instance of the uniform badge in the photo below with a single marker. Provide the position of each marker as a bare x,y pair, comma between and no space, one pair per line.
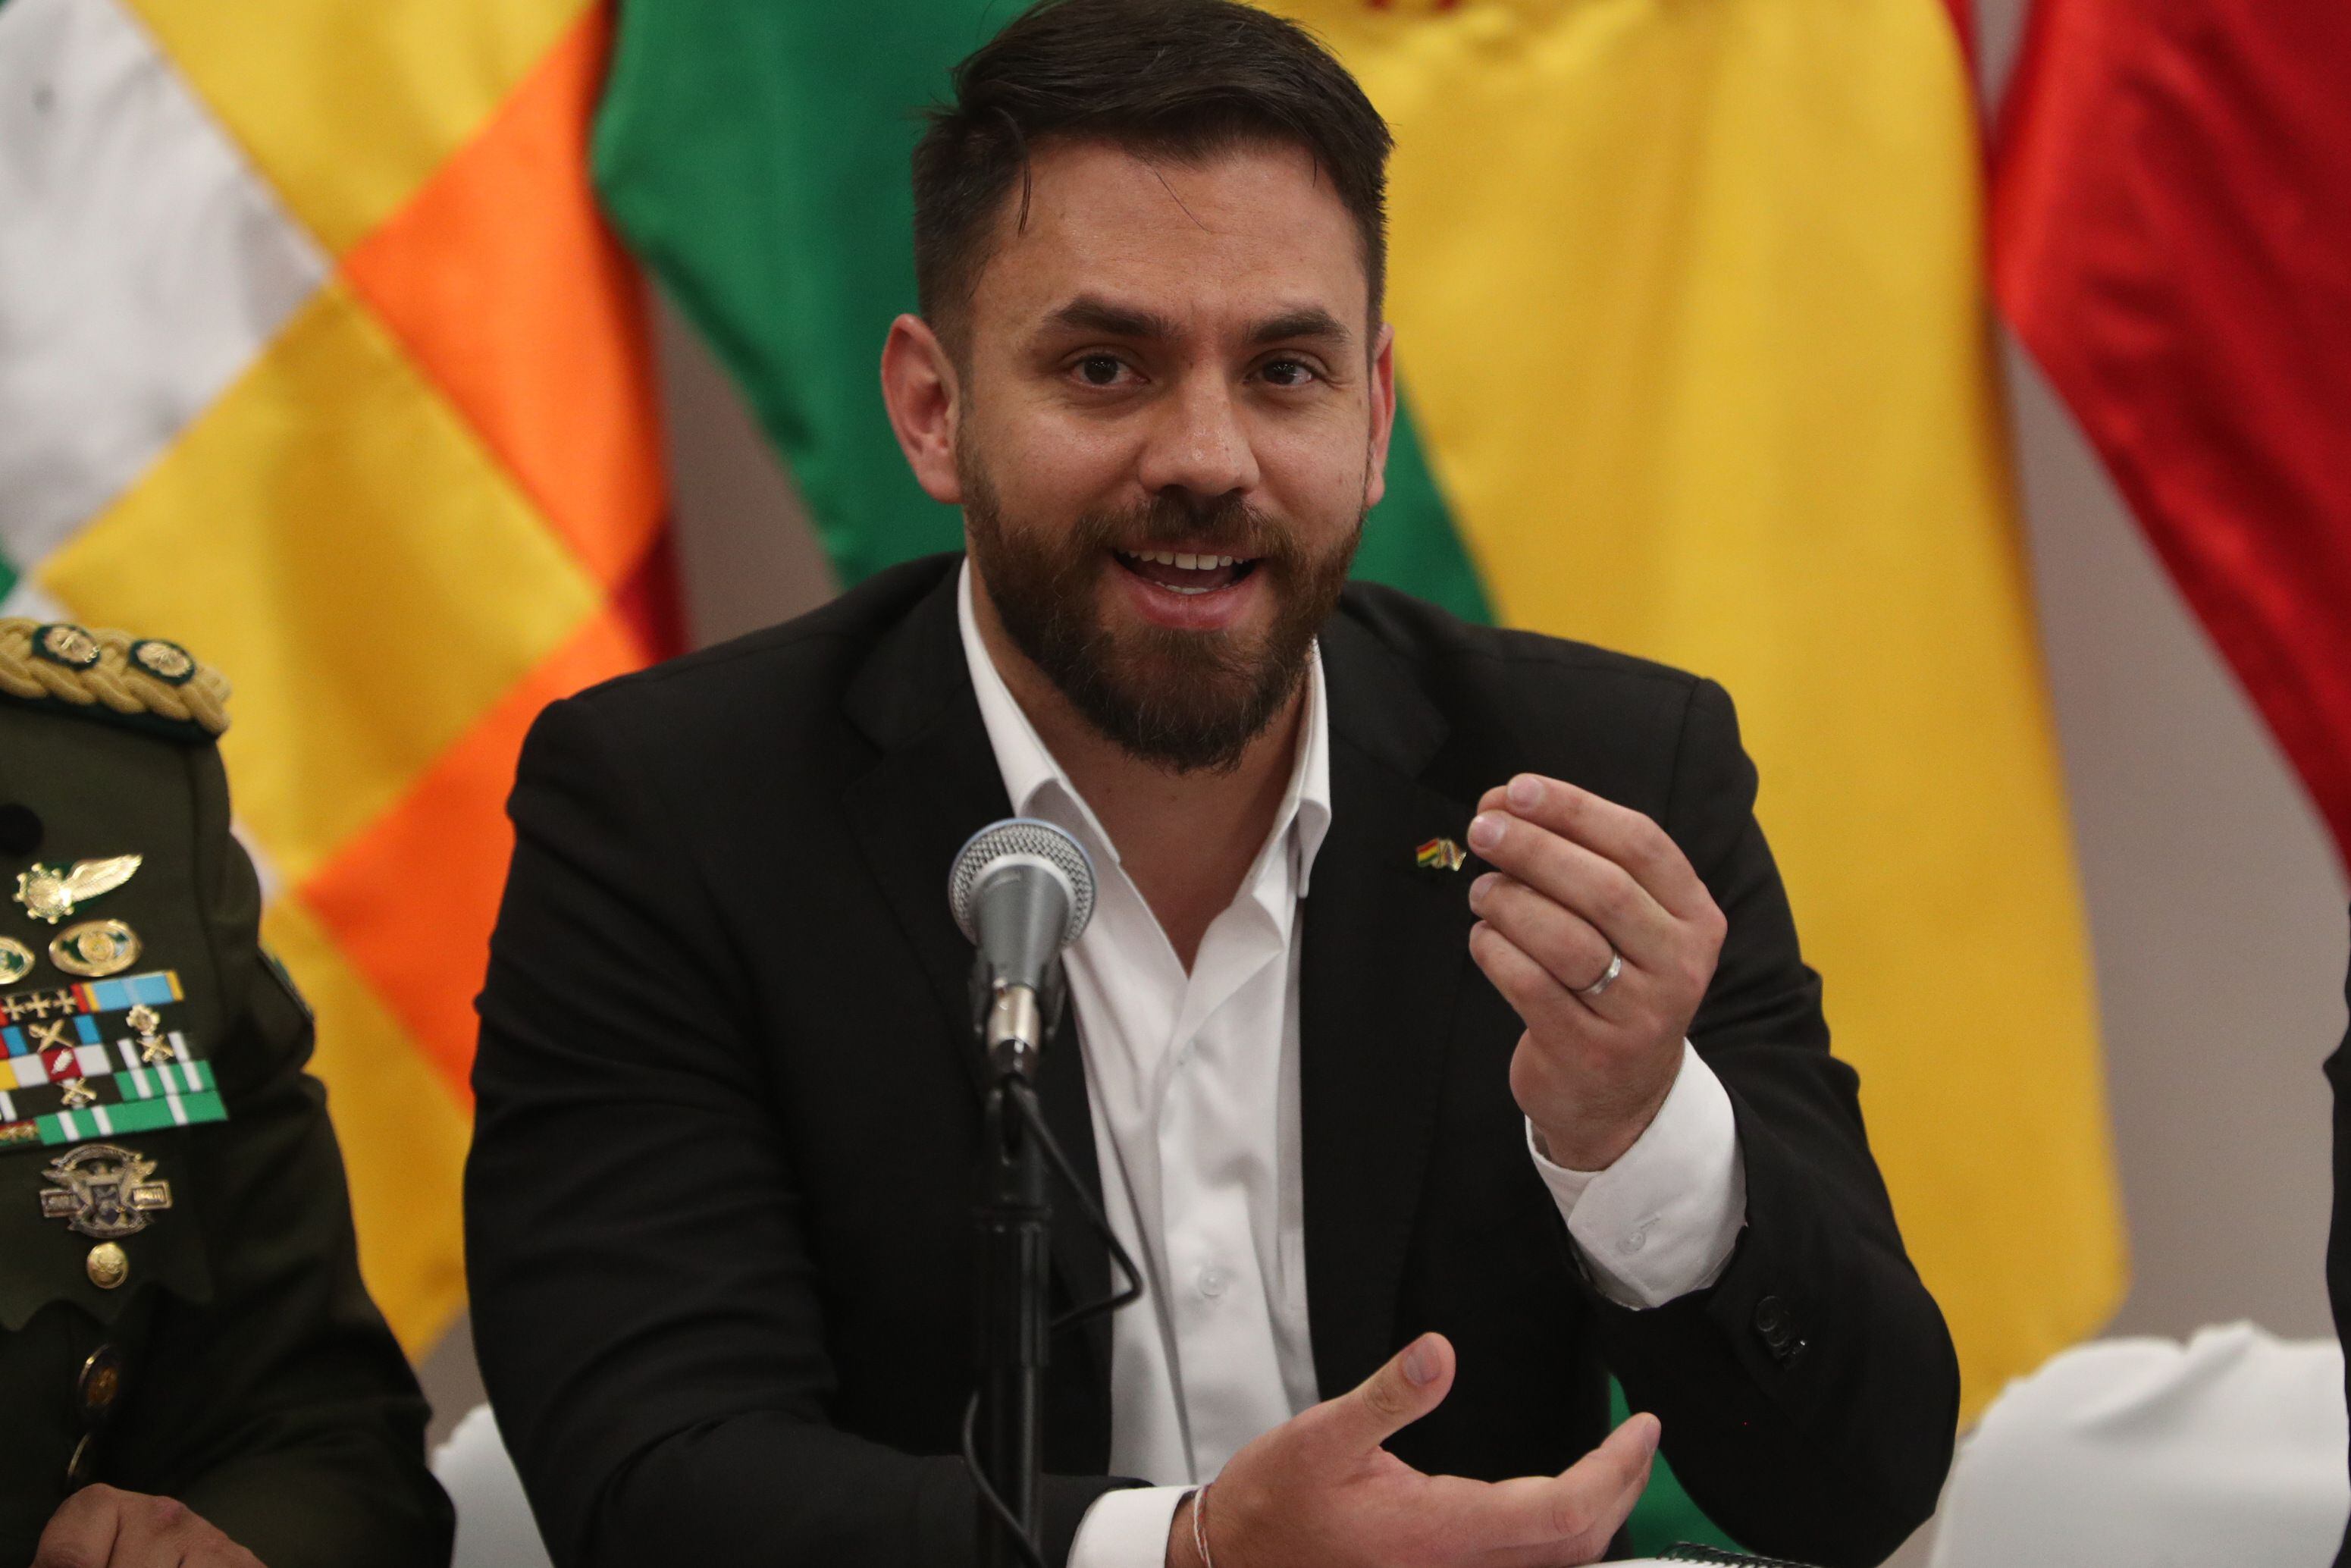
69,645
167,662
50,894
1439,854
95,949
104,1191
15,960
147,1034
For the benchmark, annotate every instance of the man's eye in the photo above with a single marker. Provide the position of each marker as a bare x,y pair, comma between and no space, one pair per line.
1100,370
1288,373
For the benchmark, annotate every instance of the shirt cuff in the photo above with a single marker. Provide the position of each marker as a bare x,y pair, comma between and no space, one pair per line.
1664,1219
1126,1528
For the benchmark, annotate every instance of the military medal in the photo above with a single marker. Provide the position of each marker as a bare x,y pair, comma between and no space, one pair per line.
1439,854
15,960
97,1059
147,1034
95,949
48,894
104,1191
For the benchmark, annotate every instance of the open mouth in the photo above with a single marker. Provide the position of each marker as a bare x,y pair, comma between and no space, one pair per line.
1181,571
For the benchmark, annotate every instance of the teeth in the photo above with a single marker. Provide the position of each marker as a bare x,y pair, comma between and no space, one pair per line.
1183,560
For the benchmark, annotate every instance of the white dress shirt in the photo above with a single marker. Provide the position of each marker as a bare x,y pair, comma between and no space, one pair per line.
1192,1080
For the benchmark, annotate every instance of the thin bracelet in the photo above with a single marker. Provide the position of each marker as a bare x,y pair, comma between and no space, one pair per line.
1200,1526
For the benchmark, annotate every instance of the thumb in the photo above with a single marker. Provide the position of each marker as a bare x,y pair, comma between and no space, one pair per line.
1414,1382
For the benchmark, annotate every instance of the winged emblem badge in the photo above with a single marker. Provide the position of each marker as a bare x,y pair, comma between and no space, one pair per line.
50,894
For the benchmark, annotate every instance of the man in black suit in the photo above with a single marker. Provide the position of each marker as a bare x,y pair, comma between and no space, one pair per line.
1410,1167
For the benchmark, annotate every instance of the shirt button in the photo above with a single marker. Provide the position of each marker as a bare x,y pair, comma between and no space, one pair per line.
1212,1281
1634,1241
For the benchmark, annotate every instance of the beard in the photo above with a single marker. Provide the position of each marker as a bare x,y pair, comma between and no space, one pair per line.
1185,701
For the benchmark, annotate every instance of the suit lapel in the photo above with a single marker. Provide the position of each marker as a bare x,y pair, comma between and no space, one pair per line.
935,785
1386,954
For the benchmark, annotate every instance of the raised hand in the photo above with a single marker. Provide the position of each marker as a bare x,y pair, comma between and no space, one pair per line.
103,1526
1581,883
1320,1489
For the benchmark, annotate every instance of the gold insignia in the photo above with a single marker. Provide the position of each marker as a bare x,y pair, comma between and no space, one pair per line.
103,1191
147,1033
40,1005
51,894
78,1094
15,960
1439,854
51,1036
167,662
95,948
65,645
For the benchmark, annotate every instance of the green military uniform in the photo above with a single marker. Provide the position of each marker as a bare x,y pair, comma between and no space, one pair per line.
181,1309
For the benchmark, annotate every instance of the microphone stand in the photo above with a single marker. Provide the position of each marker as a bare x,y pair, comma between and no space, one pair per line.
1015,1225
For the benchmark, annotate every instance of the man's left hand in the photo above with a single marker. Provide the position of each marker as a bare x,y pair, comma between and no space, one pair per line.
1580,882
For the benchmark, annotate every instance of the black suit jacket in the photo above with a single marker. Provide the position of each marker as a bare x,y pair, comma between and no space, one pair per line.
2338,1236
718,1204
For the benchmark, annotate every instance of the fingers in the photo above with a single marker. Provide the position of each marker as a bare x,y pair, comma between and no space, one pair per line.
1570,947
1414,1382
81,1533
1618,834
1542,1001
1594,888
1576,1512
102,1527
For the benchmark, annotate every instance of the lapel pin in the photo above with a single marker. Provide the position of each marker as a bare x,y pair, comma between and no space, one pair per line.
49,893
15,960
1439,854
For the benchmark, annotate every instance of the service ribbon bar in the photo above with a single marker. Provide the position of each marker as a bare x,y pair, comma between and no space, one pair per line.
76,1069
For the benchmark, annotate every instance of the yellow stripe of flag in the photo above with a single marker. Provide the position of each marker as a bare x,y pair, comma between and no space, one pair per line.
1688,299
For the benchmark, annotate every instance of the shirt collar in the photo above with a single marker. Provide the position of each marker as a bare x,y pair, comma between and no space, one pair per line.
1033,779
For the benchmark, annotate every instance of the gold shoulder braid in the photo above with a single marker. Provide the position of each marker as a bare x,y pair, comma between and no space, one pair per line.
143,680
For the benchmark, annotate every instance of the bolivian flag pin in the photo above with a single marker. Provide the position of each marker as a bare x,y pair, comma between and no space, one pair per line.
1439,854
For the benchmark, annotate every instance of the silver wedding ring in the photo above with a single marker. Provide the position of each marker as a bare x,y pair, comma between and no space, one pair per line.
1616,967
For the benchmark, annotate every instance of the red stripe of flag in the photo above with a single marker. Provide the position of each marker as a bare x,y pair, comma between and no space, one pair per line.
2171,238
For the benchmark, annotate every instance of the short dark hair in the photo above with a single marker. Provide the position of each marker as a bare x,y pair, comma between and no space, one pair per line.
1171,78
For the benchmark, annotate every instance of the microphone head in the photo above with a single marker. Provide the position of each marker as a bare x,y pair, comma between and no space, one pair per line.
1021,838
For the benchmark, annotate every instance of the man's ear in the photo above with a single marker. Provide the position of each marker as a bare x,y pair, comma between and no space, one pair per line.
1384,408
924,399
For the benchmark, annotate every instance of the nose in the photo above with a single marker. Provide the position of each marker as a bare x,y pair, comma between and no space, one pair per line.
1199,443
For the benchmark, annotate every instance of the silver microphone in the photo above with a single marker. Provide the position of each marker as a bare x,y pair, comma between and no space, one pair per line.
1021,890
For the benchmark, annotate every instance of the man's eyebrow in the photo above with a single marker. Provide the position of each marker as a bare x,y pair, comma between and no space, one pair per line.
1088,313
1310,321
1091,313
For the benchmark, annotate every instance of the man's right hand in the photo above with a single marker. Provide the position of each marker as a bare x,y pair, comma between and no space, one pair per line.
1320,1489
102,1527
